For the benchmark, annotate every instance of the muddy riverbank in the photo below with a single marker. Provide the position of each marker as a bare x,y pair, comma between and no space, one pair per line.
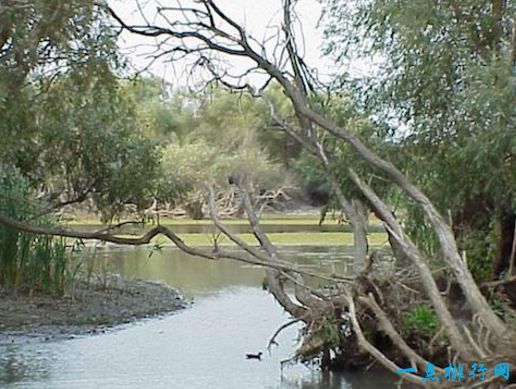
88,308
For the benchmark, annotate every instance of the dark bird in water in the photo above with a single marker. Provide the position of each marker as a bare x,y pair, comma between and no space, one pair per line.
254,356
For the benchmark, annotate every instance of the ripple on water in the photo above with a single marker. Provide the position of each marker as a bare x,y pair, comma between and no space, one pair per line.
200,347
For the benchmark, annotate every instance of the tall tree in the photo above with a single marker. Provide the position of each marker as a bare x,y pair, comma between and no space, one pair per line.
63,119
445,77
332,316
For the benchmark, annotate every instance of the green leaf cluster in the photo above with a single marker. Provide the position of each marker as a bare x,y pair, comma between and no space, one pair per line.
66,121
420,320
444,84
29,262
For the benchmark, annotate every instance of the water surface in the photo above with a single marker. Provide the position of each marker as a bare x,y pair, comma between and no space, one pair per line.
199,347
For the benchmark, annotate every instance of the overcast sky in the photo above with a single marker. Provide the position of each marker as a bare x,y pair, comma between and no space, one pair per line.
256,15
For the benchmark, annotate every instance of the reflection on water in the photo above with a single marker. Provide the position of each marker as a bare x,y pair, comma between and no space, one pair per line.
196,277
200,347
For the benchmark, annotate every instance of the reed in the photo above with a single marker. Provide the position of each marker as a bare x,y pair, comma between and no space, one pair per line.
28,262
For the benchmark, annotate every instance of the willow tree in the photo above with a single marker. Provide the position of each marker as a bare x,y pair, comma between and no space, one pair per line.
65,122
445,75
334,317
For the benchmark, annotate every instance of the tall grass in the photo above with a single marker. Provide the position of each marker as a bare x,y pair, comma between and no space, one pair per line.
28,262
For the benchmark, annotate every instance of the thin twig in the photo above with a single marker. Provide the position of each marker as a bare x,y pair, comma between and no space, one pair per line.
278,331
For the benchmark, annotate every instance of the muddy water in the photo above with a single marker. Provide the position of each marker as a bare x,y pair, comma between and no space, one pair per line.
200,347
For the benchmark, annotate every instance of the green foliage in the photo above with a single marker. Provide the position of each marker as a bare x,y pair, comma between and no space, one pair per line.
502,306
330,332
186,168
90,145
420,320
420,230
216,146
163,114
309,172
480,250
445,85
498,306
51,37
447,76
31,262
65,120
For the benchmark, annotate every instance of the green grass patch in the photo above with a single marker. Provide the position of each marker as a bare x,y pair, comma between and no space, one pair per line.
282,239
420,320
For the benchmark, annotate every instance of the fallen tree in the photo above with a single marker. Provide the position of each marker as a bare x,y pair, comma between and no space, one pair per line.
338,316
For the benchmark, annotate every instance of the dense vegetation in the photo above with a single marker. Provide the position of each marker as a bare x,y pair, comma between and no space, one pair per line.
84,133
444,86
76,128
29,262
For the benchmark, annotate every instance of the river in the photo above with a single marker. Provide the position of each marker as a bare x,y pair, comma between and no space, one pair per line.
202,346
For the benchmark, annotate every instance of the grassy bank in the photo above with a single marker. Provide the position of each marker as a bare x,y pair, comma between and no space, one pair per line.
282,239
301,238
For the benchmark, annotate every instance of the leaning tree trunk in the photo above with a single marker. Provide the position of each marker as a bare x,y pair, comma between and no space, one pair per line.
204,30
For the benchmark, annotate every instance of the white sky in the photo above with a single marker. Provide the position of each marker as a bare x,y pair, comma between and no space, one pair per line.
256,15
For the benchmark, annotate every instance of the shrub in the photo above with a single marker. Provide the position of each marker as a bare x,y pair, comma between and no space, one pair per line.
420,320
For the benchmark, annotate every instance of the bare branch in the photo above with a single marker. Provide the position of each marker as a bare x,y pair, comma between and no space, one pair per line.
412,252
155,31
273,277
278,331
105,235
